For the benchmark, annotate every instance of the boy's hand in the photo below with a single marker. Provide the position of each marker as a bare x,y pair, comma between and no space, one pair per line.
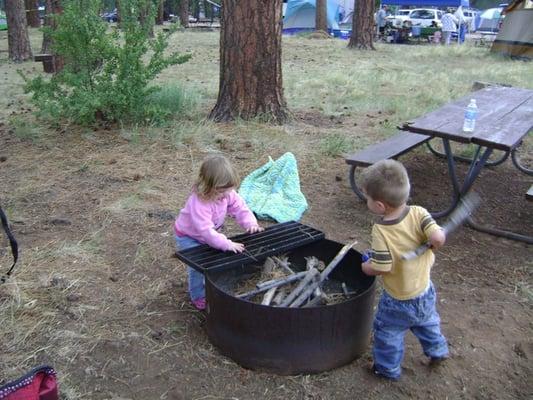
236,247
437,239
255,229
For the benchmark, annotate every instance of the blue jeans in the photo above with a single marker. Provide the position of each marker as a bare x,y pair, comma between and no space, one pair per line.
195,279
394,318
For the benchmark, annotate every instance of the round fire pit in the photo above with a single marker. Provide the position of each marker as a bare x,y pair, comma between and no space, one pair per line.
290,341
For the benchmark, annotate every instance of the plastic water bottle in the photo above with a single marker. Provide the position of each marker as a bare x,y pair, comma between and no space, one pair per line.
470,116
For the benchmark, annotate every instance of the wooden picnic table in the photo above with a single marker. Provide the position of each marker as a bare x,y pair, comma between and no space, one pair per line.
505,116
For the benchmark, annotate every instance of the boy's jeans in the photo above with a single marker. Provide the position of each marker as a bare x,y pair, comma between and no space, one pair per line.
195,278
394,318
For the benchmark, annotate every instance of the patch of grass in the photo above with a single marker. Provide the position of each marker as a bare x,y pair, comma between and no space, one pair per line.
24,129
335,145
123,204
172,101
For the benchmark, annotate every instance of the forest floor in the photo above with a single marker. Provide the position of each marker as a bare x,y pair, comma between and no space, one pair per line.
99,295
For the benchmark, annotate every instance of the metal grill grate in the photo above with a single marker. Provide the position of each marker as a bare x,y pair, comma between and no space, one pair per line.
275,239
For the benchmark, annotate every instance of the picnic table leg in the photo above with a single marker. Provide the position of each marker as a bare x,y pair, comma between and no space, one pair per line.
494,163
498,232
453,178
353,184
475,168
517,164
478,162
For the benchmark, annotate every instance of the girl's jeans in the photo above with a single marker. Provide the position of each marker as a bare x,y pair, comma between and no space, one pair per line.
195,278
394,318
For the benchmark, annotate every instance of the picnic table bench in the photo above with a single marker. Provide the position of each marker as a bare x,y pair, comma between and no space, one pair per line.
393,147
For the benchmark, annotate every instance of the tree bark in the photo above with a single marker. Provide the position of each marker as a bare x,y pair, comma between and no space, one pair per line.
363,25
250,62
51,8
18,40
159,16
184,13
32,13
321,23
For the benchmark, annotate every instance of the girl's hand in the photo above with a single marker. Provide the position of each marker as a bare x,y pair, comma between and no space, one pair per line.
255,228
236,247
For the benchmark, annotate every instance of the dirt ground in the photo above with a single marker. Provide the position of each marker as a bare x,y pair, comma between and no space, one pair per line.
99,295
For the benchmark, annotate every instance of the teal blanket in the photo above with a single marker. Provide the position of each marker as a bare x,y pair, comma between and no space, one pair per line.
273,191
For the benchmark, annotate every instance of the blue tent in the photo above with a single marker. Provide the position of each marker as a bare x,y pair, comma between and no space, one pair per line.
301,15
425,3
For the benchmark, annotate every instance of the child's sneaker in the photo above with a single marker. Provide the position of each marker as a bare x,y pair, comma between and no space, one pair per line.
378,374
199,304
436,361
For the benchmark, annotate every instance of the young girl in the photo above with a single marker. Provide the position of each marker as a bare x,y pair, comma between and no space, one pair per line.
213,197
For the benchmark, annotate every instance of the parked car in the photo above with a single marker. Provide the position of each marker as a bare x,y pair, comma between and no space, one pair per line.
110,16
419,16
425,17
398,18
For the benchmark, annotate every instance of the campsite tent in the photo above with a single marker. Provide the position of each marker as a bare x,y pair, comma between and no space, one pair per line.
3,21
300,15
427,3
516,34
489,20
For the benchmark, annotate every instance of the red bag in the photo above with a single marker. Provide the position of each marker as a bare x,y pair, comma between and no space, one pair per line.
39,384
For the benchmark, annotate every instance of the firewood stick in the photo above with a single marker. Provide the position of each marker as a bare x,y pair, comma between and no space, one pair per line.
279,297
267,298
268,283
345,288
283,264
277,283
301,286
315,301
323,276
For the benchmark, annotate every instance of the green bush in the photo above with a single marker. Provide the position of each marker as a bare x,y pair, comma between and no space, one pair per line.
107,72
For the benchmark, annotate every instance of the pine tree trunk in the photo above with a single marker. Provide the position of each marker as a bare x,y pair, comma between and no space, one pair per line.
145,18
250,62
18,40
321,16
184,13
51,8
32,13
363,25
159,17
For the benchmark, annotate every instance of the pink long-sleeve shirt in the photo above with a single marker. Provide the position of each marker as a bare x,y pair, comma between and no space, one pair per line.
200,219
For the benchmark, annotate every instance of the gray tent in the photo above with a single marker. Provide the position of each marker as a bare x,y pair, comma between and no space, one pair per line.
515,37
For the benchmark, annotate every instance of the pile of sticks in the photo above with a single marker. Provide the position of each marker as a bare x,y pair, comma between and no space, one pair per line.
307,290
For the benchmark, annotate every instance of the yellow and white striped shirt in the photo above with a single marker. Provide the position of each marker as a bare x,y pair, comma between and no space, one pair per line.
390,239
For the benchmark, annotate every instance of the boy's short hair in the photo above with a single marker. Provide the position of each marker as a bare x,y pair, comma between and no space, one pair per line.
387,181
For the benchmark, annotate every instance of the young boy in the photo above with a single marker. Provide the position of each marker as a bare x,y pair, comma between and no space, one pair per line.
408,300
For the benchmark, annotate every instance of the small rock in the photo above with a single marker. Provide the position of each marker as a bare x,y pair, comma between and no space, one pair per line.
113,278
338,178
59,221
73,297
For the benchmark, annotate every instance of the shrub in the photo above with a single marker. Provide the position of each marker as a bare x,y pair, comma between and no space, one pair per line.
107,73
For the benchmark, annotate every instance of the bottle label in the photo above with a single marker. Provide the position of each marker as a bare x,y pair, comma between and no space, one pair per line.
470,114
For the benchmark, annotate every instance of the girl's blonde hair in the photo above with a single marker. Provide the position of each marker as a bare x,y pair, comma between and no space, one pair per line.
216,173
